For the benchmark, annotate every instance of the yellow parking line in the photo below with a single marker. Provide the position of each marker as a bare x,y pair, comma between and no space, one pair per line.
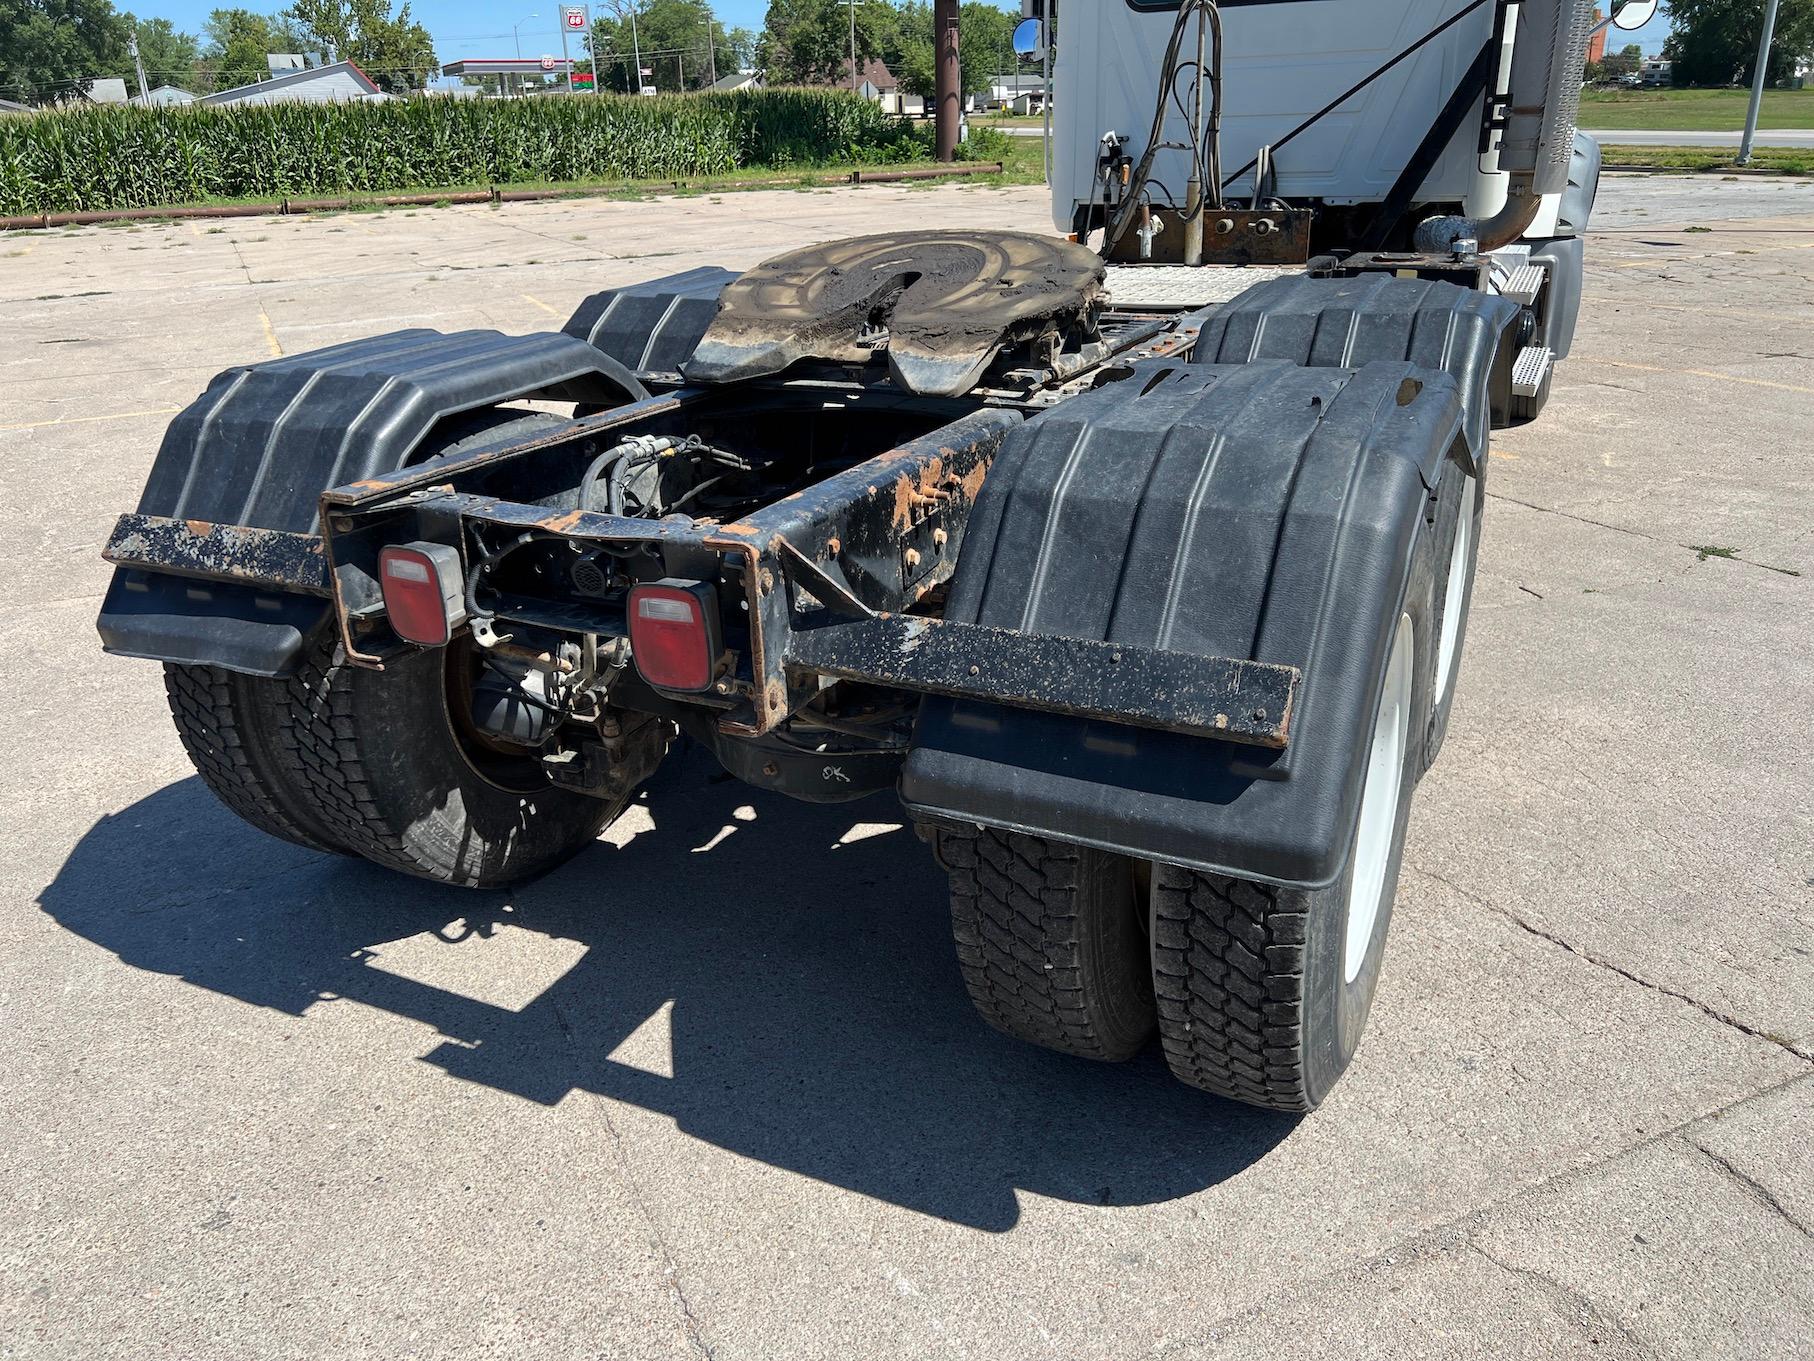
1696,373
539,303
270,333
84,420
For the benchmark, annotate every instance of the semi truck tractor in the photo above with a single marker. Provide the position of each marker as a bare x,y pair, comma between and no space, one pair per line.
1133,558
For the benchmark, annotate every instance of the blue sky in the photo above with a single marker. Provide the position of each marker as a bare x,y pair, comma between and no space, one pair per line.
482,28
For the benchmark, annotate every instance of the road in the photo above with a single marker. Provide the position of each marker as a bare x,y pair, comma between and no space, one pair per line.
714,1090
1766,137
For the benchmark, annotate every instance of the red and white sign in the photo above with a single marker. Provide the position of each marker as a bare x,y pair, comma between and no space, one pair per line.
573,16
549,63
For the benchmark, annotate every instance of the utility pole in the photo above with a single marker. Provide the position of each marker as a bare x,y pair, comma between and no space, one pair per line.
853,46
1757,84
636,50
711,48
138,62
948,78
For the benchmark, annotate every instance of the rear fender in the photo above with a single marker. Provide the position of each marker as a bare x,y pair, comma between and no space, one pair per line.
1261,511
257,449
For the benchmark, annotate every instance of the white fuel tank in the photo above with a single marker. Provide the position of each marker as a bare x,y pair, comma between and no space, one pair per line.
1285,59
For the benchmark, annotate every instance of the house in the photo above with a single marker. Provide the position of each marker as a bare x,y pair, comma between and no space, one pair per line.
341,83
877,83
163,97
106,90
738,80
1016,93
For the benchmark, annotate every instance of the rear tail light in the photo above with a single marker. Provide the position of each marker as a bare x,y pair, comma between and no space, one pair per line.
674,634
424,591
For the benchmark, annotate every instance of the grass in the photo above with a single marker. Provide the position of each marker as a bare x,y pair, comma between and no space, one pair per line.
1692,110
1712,160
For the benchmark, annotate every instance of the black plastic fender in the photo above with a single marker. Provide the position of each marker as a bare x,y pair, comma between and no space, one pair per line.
1347,323
1263,511
265,440
652,327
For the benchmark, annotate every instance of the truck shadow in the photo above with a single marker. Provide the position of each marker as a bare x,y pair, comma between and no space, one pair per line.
818,1021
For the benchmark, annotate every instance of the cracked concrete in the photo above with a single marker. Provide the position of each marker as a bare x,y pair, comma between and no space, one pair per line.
714,1089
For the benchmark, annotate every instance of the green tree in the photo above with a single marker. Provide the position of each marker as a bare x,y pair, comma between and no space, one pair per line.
53,49
393,49
681,42
807,42
170,56
985,49
1714,42
238,41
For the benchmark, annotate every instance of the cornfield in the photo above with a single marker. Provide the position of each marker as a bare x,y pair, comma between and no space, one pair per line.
102,158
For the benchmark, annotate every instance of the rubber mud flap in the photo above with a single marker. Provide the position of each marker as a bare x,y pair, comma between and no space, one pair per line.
1261,511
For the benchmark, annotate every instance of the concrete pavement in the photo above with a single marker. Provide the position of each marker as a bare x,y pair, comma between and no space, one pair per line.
713,1089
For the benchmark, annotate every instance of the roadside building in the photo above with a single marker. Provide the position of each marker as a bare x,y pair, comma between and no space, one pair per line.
340,83
106,90
513,74
163,97
738,80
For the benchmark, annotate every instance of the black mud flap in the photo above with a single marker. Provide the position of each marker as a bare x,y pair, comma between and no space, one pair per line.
259,447
1265,512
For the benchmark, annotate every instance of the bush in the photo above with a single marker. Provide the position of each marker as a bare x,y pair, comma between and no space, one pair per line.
984,144
120,157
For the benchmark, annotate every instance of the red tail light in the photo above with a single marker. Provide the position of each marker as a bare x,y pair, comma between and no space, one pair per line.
424,592
674,634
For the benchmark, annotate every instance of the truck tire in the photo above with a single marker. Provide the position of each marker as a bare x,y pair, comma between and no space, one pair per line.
390,772
1457,553
338,758
1049,940
1263,991
232,728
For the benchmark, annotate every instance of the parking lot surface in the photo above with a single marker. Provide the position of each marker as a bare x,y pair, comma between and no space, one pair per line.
714,1089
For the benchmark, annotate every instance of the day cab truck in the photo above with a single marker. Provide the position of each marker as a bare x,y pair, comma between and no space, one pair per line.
1134,558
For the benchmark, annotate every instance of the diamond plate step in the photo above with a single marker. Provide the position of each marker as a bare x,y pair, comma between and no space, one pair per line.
1523,284
1531,370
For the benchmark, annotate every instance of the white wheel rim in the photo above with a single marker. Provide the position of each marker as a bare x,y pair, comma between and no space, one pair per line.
1448,651
1379,802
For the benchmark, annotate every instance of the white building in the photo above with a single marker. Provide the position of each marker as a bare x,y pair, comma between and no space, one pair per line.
164,96
341,83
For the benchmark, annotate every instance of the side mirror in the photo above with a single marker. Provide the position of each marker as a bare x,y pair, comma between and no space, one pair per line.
1630,14
1030,37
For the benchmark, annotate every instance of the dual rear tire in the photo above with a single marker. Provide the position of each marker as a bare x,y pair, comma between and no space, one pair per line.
1258,992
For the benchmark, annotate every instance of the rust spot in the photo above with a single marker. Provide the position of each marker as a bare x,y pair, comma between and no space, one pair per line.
740,529
833,547
560,524
199,528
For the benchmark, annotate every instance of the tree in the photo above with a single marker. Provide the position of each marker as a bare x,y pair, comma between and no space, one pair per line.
985,48
51,49
807,42
1714,42
672,36
169,56
238,43
393,49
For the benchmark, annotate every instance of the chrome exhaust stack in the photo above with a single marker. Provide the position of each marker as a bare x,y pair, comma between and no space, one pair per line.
1544,102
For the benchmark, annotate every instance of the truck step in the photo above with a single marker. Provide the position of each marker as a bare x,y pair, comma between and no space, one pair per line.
1531,371
1523,284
